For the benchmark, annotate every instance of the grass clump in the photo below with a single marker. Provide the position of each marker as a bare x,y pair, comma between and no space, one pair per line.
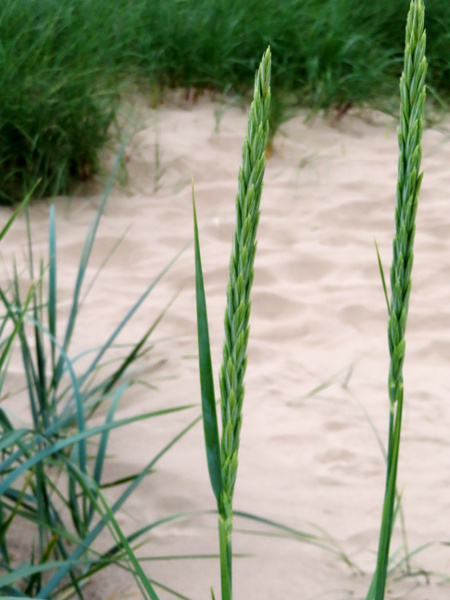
58,100
51,486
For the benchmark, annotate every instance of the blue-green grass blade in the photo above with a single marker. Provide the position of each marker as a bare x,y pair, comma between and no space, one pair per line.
79,409
144,580
128,316
35,580
135,353
75,439
9,439
85,255
52,293
103,265
93,534
26,570
30,373
5,355
95,495
101,451
57,578
5,523
210,426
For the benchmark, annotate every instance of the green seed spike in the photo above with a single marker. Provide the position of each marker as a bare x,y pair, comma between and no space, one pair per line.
412,100
223,461
237,312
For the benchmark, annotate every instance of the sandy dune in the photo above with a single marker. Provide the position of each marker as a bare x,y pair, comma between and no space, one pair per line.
318,358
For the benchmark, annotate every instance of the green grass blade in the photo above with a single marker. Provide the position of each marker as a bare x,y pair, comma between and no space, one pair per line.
41,383
383,281
324,541
149,527
15,214
171,591
75,513
225,565
210,426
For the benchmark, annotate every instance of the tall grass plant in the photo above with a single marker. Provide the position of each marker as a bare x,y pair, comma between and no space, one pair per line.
223,456
412,94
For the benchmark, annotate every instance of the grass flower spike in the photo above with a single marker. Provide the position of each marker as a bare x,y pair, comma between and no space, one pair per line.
412,93
237,312
223,456
412,100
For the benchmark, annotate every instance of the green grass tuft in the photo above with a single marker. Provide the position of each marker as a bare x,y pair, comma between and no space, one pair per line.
64,67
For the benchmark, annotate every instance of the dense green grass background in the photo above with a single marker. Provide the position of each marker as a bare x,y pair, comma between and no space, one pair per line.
63,66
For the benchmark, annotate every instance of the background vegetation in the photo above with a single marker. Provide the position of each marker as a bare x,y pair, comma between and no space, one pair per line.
64,66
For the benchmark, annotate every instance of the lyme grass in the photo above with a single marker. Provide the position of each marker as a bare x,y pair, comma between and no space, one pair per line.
412,93
223,457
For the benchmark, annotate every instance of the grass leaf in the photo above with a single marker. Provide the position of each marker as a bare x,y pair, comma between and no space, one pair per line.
210,426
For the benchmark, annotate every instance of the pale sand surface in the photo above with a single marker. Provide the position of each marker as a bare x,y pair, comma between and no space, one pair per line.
318,317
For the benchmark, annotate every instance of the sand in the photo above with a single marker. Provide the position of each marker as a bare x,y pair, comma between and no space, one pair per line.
316,385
